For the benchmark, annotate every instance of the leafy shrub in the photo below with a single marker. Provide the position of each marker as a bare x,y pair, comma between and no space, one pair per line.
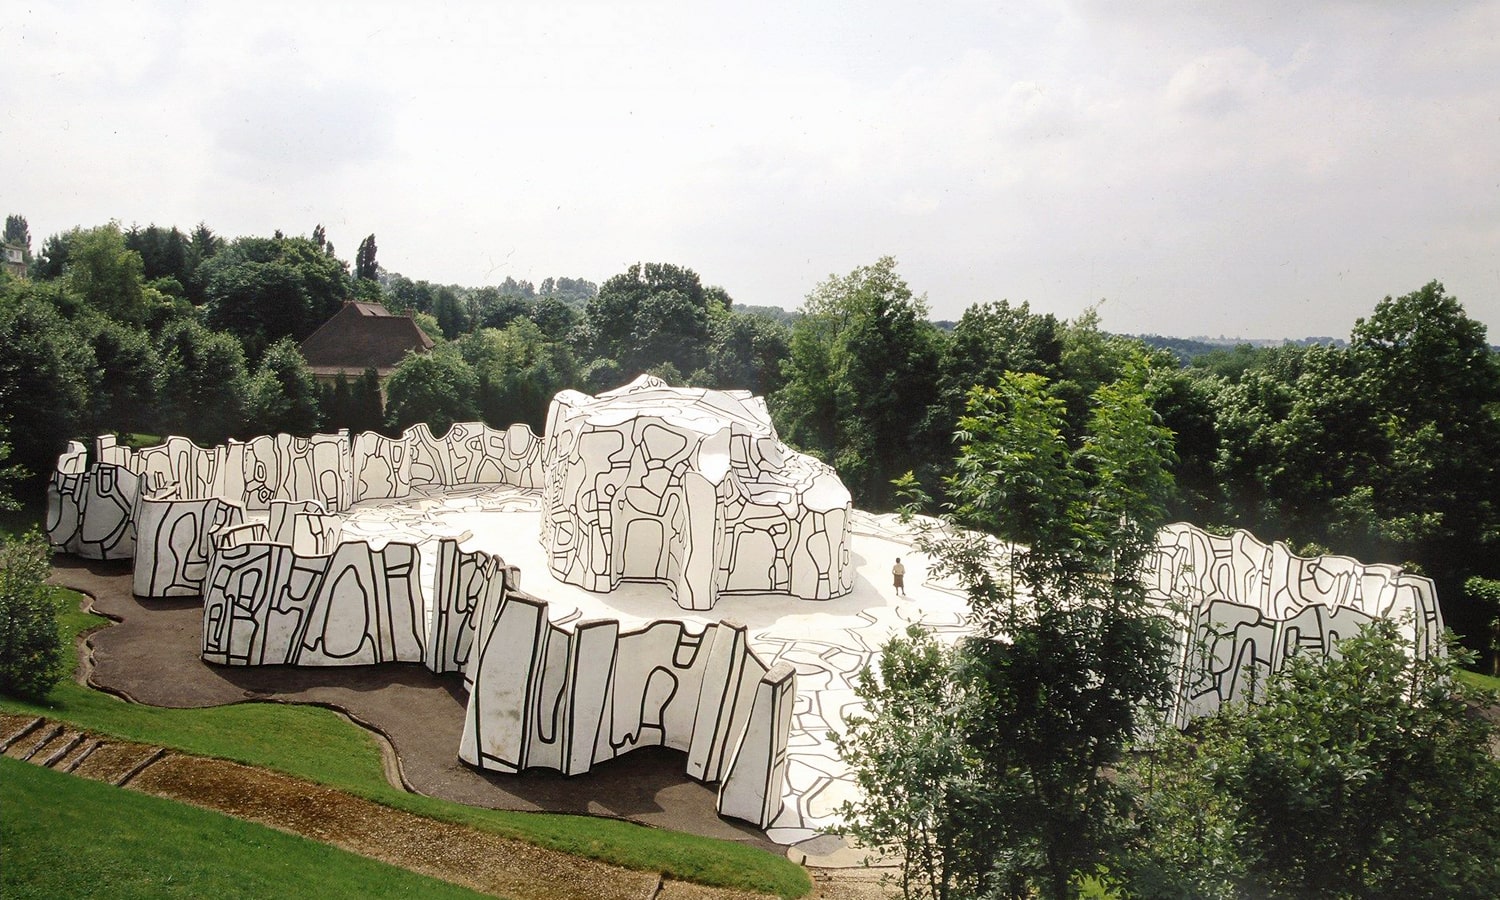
31,657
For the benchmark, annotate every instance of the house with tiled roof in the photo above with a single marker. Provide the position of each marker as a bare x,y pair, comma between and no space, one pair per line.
361,336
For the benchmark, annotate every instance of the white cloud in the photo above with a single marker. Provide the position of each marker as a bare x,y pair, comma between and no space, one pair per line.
1261,169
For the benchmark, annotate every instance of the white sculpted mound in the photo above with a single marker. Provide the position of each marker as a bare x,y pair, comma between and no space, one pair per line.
691,489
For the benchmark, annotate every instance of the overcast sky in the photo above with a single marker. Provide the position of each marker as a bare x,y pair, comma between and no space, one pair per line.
1263,169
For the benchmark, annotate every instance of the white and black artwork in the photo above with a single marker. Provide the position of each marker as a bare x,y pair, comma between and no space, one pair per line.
690,488
333,550
1245,607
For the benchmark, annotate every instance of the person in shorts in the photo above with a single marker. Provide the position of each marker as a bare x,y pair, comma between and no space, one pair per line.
898,575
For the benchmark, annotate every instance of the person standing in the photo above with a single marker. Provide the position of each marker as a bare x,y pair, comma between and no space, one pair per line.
898,575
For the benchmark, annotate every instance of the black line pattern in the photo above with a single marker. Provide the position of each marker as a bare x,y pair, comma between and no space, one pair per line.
545,696
690,488
1245,607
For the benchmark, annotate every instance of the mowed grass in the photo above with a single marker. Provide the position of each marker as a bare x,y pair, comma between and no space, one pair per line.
319,745
1479,680
64,836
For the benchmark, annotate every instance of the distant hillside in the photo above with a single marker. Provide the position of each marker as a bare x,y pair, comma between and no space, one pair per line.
1188,349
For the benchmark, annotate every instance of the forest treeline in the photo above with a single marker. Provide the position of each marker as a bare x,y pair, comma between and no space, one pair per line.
1381,446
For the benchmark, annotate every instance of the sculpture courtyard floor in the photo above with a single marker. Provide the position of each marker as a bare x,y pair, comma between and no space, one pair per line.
152,656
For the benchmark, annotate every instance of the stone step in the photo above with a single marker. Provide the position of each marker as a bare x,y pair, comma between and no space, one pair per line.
73,760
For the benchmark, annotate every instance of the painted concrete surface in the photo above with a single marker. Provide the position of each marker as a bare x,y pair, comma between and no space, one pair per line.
827,642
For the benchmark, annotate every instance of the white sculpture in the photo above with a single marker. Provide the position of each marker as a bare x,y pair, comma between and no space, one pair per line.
1244,607
269,602
566,698
690,488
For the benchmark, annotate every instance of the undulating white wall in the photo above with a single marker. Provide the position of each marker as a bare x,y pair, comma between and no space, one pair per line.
1245,607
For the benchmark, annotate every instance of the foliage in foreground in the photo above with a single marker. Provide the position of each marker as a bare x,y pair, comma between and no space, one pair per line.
31,658
279,736
64,836
1368,774
986,766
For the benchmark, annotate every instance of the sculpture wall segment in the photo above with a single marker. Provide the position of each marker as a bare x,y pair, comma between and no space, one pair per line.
267,604
690,488
1244,607
568,698
161,505
90,507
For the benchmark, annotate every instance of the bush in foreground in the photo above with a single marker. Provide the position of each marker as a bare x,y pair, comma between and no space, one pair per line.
1369,774
31,658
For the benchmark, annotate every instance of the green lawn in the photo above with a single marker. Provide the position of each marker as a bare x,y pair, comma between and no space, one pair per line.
1475,679
279,736
64,836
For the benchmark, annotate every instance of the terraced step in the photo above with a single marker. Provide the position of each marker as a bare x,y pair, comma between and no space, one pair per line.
72,760
14,728
34,742
117,763
60,747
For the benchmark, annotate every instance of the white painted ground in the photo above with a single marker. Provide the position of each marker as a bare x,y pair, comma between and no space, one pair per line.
828,642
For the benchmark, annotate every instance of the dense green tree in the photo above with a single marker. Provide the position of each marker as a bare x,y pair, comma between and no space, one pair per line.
45,367
452,318
1232,362
517,371
910,761
53,258
10,473
122,388
556,318
165,252
202,246
263,289
405,295
1433,491
107,275
437,388
1067,655
367,403
860,380
745,352
1362,774
651,314
1186,400
365,267
282,396
496,310
1484,595
575,292
202,384
991,339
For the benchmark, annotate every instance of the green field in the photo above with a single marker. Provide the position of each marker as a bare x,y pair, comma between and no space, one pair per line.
280,736
65,836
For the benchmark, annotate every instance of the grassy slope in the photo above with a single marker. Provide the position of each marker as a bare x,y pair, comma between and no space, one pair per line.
279,736
64,836
1483,682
